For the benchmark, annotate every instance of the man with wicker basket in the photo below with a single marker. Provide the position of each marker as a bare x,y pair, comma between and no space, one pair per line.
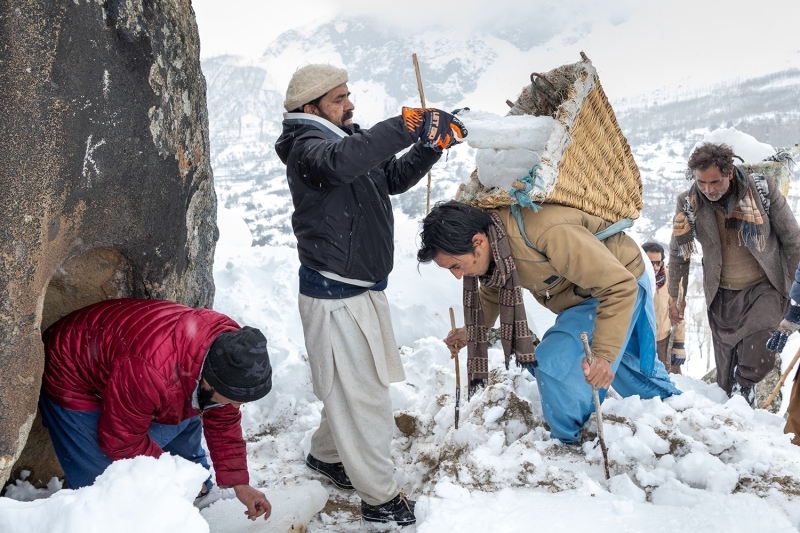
595,282
749,236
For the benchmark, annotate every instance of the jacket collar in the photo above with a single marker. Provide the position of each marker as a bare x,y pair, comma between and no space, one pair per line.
320,123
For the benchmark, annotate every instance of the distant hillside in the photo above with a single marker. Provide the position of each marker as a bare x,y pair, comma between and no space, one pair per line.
245,112
662,135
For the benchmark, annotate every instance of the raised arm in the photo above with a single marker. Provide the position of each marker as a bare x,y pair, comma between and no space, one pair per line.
325,163
404,172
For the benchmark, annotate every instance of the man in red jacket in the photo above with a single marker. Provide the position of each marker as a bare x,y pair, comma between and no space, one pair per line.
130,377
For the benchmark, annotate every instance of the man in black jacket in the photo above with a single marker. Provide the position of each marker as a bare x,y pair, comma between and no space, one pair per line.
340,177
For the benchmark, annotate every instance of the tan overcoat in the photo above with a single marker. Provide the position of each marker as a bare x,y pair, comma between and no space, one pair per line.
570,265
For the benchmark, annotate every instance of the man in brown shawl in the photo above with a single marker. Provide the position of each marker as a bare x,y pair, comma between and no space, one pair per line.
749,238
597,286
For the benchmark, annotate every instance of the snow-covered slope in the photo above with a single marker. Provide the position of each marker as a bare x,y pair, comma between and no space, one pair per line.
696,462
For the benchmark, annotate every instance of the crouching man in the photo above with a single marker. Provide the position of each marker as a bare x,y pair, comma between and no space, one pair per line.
593,285
131,377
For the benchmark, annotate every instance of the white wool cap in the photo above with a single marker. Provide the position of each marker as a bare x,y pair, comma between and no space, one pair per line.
311,82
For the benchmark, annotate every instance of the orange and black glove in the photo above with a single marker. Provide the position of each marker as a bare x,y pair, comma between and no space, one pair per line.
437,129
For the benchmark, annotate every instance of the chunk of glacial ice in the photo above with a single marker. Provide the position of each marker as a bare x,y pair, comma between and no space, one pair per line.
500,168
487,130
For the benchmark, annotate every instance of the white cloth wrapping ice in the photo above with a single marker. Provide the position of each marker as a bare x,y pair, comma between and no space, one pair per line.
354,358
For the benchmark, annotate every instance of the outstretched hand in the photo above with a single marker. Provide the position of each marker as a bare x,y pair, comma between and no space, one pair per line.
255,501
599,374
436,129
455,341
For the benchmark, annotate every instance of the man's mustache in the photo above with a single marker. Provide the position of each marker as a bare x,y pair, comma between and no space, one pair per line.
347,116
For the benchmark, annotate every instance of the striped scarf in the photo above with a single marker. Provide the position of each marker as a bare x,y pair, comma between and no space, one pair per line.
661,277
745,217
514,333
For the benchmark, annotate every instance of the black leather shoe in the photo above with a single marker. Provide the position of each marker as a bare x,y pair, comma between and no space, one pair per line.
333,471
399,509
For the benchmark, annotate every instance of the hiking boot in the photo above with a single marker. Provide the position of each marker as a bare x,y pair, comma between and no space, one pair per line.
333,471
399,509
748,393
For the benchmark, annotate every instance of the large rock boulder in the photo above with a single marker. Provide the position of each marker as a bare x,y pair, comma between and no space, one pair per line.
106,186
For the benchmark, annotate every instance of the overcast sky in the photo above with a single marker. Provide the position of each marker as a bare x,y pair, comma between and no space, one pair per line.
637,45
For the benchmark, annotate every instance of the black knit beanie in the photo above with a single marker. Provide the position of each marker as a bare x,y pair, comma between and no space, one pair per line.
237,365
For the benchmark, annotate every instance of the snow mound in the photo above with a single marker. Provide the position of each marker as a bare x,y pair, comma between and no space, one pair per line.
131,496
744,145
502,440
233,230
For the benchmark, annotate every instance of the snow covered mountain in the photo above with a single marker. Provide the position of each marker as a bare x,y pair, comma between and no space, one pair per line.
245,111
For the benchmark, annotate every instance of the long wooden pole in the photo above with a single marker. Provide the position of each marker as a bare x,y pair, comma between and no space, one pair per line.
781,381
458,372
422,101
674,328
597,412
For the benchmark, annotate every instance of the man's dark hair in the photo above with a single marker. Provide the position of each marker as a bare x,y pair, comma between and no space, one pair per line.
710,154
653,247
315,102
449,229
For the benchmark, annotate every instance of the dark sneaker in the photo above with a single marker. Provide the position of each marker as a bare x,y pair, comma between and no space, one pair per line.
333,471
748,393
399,509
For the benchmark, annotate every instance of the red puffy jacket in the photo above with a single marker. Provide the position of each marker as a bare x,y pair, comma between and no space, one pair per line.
139,361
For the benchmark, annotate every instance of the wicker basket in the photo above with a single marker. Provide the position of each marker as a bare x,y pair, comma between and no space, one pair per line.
586,162
780,167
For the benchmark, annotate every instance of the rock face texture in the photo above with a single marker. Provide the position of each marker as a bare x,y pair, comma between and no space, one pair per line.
105,185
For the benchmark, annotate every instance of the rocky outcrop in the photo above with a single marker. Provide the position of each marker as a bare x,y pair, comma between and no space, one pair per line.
104,170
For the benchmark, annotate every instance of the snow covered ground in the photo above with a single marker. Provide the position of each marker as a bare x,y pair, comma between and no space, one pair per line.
695,462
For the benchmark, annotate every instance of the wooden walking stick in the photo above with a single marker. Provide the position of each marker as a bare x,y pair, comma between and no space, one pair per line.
780,381
422,100
674,328
458,373
597,412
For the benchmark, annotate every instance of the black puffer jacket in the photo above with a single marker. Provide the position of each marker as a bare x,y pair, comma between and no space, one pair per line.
340,185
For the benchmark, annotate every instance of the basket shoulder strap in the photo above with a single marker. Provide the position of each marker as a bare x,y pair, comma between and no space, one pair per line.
763,190
517,212
603,234
613,229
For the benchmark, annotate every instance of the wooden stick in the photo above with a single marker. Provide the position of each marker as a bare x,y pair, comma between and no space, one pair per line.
674,328
458,373
422,101
597,412
780,382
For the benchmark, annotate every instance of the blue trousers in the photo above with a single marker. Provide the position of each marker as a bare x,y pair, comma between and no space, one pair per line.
74,436
566,397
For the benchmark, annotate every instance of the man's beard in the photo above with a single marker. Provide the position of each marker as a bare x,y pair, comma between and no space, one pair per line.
345,117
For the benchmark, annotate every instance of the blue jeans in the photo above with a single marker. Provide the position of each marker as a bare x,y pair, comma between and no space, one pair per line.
566,397
74,436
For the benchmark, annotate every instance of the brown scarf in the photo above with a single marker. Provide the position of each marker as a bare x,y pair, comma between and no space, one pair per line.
514,333
744,217
661,276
